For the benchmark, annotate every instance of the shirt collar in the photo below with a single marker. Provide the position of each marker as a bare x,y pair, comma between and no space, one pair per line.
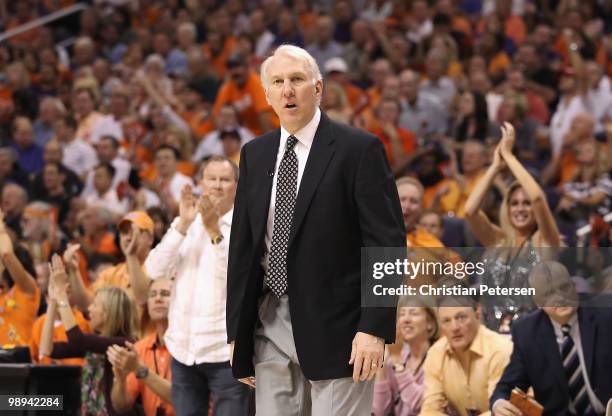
557,326
306,134
227,217
476,346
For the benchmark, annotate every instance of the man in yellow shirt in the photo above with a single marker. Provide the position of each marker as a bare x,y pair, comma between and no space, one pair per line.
463,367
118,275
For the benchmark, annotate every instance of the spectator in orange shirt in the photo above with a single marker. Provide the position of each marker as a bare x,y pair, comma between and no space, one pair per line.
399,143
117,275
59,335
19,294
97,238
245,92
144,369
218,48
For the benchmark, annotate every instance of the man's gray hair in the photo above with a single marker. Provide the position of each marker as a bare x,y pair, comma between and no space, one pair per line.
295,52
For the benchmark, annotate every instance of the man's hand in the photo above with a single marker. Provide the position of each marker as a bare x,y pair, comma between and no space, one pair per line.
70,256
505,408
210,215
129,249
187,209
366,356
249,381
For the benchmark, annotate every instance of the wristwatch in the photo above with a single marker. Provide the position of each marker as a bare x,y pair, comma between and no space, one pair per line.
217,239
142,373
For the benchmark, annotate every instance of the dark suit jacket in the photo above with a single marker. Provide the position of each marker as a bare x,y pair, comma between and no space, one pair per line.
536,361
347,200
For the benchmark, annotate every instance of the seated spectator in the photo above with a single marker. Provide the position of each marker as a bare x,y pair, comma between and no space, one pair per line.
10,170
50,109
335,103
41,235
211,144
96,237
107,150
244,91
590,189
567,363
14,201
144,369
410,193
104,195
400,384
399,144
421,113
19,294
324,46
54,190
463,367
54,154
440,192
84,103
29,154
113,318
78,156
471,122
437,83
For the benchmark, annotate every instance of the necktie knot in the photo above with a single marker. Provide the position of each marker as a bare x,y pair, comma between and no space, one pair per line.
566,330
291,142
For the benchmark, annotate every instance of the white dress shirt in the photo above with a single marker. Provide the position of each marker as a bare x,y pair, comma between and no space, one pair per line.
79,157
575,334
305,137
196,319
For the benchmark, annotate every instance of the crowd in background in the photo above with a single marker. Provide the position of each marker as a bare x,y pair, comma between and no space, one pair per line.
106,115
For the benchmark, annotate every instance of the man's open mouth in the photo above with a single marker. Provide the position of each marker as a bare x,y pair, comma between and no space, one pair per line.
290,106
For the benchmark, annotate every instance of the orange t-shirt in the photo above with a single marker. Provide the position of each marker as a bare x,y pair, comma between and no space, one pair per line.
107,245
449,201
356,96
420,237
157,359
113,276
201,122
59,335
17,315
218,62
250,101
406,138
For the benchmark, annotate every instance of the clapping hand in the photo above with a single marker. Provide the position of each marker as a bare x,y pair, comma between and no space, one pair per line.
70,256
58,277
507,142
123,359
209,213
6,244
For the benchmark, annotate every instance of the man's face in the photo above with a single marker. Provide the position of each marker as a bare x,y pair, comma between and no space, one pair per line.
557,296
23,134
47,112
219,183
159,299
411,201
409,86
118,105
30,226
53,152
165,162
292,93
325,29
83,104
433,224
102,180
460,325
106,151
143,245
388,112
474,158
6,164
227,118
12,200
52,177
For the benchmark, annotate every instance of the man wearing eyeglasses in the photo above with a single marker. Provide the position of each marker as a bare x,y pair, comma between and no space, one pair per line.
463,367
143,369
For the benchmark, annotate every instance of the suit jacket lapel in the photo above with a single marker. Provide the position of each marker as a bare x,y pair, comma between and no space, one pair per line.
320,154
545,336
266,161
587,337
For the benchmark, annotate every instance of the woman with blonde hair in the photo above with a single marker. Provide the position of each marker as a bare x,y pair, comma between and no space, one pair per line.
400,386
526,226
335,103
114,318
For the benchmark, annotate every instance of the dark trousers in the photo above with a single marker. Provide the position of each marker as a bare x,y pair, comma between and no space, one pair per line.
193,384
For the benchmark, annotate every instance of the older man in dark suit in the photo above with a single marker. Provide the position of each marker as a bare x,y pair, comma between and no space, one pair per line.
311,194
561,350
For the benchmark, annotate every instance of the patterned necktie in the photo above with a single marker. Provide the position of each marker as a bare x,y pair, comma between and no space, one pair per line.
286,191
573,372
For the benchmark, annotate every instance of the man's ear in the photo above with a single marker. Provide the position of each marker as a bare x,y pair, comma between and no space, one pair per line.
319,88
